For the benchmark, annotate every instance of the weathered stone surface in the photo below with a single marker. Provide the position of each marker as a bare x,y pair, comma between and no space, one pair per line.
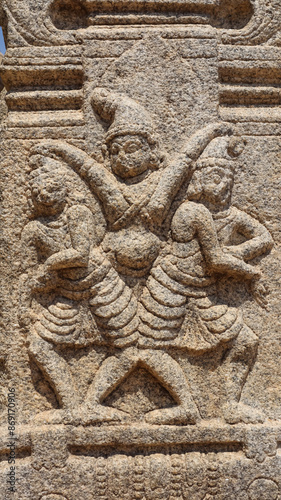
140,250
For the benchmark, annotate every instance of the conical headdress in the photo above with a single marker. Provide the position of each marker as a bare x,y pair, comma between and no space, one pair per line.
222,150
126,115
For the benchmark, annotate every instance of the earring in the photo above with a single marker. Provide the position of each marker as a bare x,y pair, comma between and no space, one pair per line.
154,161
104,151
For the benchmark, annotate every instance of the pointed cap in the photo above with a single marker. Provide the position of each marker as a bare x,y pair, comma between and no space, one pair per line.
222,151
126,115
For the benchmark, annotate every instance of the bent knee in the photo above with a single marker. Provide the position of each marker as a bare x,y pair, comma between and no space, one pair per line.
37,345
245,346
247,338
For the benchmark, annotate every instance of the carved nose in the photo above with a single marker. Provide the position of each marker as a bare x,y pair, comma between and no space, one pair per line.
122,154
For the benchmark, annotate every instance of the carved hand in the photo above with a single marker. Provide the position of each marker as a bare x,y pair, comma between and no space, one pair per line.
235,250
44,276
223,128
200,140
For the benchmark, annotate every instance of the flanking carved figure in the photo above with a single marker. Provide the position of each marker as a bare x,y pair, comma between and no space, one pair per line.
201,250
136,291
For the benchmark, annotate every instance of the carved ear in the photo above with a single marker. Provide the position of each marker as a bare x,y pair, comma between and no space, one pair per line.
35,161
195,188
236,146
154,161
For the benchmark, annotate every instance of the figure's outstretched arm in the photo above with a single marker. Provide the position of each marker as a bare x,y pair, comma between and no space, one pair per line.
178,171
196,144
101,182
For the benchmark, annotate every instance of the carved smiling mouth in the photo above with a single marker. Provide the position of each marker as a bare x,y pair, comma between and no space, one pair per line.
127,169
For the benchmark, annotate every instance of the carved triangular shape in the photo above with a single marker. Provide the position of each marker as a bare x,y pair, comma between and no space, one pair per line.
139,393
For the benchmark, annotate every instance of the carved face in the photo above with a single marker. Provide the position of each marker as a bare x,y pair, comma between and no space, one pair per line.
130,155
48,193
217,183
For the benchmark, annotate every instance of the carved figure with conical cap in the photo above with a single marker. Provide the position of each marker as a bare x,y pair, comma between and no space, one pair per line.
130,140
136,188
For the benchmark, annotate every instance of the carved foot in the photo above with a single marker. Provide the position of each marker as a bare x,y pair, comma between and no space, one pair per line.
173,416
52,417
97,413
84,415
235,413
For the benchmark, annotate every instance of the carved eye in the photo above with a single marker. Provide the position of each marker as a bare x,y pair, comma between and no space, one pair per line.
132,147
115,148
216,179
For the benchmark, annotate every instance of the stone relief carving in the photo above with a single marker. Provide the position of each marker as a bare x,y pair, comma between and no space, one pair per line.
264,26
245,21
142,266
132,290
263,486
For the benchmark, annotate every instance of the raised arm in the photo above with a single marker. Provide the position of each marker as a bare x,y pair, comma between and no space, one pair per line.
101,182
195,146
180,168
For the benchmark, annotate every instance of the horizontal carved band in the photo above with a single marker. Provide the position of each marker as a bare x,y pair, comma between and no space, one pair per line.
67,14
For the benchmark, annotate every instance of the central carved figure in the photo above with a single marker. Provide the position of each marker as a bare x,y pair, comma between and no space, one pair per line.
136,291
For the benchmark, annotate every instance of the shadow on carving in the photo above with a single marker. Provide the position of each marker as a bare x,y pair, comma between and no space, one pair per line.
233,14
22,452
72,15
250,86
120,449
250,76
139,393
3,386
42,386
69,15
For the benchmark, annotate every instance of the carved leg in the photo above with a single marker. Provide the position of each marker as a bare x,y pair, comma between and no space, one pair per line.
59,376
112,371
235,369
172,377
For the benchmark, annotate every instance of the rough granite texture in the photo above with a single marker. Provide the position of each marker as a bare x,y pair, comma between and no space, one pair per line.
140,236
